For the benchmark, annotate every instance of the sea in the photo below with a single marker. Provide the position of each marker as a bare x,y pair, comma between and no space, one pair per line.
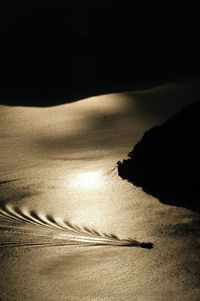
70,227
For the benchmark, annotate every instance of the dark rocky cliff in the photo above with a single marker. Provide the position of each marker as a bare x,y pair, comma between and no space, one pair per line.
166,162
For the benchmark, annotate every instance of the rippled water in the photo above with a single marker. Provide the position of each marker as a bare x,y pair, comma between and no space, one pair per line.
67,220
16,221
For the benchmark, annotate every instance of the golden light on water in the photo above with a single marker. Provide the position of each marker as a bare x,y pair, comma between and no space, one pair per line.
88,180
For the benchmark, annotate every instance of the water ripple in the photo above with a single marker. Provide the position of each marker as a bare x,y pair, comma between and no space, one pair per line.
15,219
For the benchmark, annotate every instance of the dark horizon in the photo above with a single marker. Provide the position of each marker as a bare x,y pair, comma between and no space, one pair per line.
61,52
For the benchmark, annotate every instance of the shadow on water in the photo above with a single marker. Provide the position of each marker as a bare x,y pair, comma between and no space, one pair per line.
166,162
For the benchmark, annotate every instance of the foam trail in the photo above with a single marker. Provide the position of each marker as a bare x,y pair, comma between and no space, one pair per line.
58,231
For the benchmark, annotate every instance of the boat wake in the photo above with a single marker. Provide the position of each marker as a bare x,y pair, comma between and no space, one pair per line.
50,231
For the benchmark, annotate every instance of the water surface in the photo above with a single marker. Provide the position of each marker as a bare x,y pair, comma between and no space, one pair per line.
67,220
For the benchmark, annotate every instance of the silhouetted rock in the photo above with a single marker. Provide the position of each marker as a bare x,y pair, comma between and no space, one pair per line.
166,162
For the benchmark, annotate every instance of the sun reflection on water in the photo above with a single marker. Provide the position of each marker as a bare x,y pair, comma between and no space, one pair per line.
88,180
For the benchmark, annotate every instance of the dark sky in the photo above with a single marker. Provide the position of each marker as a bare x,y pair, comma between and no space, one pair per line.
69,48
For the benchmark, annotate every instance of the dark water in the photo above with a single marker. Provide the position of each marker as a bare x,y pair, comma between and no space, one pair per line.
70,228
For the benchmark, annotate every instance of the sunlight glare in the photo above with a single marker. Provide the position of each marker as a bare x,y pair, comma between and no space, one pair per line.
88,180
